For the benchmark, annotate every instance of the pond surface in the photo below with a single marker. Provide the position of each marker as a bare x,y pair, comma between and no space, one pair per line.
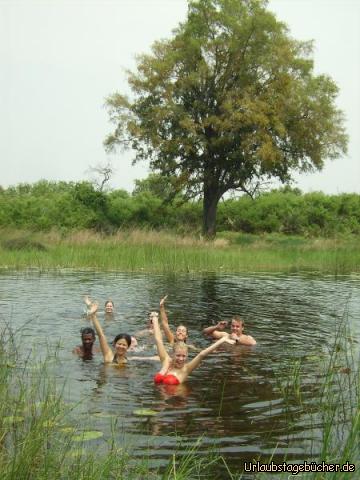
233,400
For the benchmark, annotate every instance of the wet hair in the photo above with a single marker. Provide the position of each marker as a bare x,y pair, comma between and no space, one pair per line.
183,326
237,318
110,301
180,346
87,331
187,333
126,336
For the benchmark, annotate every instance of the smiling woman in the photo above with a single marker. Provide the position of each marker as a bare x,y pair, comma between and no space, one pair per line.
174,369
121,342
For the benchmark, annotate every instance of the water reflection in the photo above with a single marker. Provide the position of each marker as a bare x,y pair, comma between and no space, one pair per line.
234,400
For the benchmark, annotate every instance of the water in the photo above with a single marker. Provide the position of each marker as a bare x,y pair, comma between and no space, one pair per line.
233,400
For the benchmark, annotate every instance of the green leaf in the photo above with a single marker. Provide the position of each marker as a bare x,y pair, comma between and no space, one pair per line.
145,412
86,436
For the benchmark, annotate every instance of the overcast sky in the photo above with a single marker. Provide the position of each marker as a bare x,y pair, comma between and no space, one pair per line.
61,58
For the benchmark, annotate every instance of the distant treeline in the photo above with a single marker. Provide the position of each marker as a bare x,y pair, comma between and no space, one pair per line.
68,205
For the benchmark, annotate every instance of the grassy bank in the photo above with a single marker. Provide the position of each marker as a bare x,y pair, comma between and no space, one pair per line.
162,252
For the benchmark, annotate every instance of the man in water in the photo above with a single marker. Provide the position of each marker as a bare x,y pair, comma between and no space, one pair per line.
236,335
87,348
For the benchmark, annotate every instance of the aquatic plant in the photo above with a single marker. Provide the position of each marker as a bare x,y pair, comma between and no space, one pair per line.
39,438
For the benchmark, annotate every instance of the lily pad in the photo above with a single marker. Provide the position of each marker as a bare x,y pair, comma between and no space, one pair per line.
67,429
313,358
76,453
103,415
86,436
12,419
145,412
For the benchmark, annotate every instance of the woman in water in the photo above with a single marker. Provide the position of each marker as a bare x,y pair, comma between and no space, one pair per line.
121,342
181,333
174,369
109,305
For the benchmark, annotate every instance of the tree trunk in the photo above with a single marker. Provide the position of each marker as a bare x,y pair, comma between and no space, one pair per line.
210,203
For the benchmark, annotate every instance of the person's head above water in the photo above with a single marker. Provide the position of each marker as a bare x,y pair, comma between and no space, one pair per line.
109,306
122,343
180,354
237,325
87,337
181,333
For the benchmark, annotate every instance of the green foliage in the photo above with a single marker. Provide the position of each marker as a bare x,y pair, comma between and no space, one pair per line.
228,101
77,206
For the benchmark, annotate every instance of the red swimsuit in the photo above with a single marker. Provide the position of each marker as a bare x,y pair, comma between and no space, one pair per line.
168,379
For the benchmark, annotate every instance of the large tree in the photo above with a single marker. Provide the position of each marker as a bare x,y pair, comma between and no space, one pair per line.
228,102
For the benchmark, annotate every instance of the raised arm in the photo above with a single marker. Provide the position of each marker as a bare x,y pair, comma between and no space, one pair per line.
164,321
87,301
105,349
195,362
164,356
216,331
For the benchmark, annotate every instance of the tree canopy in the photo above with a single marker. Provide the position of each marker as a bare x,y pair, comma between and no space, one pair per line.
229,101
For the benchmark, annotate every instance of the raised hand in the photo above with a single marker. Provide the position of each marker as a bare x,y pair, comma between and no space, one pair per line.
87,300
222,324
93,308
162,301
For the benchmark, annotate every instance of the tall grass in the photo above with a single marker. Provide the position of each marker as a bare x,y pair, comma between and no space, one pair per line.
335,415
163,252
38,434
39,440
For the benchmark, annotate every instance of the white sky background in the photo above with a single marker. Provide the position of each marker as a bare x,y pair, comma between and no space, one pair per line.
61,58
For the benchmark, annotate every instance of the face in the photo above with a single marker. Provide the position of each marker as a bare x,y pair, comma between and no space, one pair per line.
180,356
181,333
236,327
87,340
109,307
121,347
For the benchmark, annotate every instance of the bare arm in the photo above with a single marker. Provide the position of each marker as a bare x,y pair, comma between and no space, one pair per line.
164,321
195,362
152,358
164,356
105,349
216,331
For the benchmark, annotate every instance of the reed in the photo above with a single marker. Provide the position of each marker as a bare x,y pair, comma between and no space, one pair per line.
37,428
335,416
164,252
37,443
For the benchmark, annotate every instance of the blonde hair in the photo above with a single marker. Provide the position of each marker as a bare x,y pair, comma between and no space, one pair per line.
180,346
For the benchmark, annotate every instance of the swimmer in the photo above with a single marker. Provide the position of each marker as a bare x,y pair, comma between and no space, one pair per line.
149,330
174,369
121,343
109,305
87,348
236,335
181,333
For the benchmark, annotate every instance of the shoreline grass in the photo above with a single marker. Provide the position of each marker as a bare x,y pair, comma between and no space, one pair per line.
163,252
